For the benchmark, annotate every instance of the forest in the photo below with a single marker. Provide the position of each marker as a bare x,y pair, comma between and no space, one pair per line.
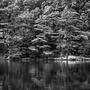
34,34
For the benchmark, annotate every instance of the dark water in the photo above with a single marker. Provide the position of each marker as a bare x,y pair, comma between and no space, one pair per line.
16,76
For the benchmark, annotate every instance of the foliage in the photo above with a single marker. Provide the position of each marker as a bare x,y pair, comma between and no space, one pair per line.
47,28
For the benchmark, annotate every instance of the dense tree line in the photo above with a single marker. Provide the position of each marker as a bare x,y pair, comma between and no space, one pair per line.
46,28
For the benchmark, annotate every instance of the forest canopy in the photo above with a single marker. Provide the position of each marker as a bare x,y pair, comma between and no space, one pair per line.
46,28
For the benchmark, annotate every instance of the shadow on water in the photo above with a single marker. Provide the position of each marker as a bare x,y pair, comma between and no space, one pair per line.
16,76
